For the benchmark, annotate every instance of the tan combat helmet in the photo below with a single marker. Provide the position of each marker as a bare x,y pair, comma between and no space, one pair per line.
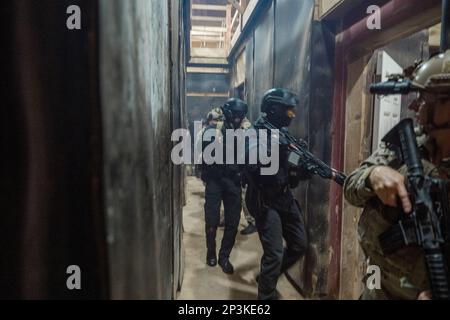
434,75
215,114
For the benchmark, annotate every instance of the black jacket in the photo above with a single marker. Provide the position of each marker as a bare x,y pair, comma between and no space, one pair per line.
219,171
273,191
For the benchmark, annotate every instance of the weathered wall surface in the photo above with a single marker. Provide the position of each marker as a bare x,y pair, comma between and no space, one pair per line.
359,133
86,118
287,50
178,115
136,83
263,59
320,115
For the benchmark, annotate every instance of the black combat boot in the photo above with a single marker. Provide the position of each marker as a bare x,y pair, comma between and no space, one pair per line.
211,257
249,230
226,266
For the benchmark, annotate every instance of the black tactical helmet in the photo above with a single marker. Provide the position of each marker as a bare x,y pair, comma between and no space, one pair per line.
279,96
275,105
234,108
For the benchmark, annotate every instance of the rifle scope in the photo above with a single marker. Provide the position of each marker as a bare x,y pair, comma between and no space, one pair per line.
392,87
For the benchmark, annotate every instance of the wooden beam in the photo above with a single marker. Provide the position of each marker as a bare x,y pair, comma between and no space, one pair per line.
236,15
207,70
209,53
228,24
244,21
248,12
237,6
235,38
207,38
208,94
206,18
198,60
209,29
209,7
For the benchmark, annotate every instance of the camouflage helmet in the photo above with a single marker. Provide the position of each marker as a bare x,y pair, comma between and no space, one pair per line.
215,114
434,74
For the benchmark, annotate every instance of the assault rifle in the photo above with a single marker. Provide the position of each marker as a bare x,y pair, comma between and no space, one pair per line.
300,156
428,225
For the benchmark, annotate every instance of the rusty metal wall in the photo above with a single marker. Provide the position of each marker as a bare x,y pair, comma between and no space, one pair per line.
320,115
136,96
286,49
88,179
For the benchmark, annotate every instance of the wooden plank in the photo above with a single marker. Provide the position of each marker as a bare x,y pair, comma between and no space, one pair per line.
435,36
207,70
208,94
209,29
326,6
209,53
198,34
228,24
209,7
244,20
236,16
237,6
248,12
358,118
236,36
209,61
206,18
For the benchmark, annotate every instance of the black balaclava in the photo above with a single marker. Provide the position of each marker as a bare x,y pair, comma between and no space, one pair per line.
278,116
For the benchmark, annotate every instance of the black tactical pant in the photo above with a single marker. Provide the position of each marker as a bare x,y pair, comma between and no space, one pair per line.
273,225
218,190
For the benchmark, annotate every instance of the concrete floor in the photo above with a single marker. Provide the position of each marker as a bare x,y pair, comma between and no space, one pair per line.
202,282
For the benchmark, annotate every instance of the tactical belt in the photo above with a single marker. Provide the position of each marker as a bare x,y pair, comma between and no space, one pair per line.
399,236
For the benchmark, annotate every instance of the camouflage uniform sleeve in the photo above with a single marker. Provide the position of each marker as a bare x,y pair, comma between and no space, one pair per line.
356,189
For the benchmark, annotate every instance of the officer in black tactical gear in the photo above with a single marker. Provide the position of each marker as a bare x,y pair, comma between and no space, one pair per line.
223,183
270,199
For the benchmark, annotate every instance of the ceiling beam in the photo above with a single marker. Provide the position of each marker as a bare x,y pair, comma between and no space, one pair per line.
209,29
205,18
206,38
208,7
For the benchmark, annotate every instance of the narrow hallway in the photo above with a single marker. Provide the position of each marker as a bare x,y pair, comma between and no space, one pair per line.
205,283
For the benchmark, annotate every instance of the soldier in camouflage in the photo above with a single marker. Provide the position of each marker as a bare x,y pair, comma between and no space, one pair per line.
379,186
